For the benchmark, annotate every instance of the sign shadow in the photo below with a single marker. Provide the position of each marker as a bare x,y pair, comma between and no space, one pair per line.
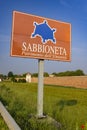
63,103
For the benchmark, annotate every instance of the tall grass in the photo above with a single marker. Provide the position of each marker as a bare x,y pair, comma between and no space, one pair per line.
66,105
3,126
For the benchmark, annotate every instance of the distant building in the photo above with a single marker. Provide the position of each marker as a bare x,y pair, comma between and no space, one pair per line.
51,75
28,77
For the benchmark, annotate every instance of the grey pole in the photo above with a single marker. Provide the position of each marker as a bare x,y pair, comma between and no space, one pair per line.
40,88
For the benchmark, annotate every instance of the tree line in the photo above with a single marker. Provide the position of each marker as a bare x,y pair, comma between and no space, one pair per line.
70,73
78,72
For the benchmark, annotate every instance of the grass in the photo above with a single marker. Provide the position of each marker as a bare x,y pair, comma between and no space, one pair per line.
3,126
66,105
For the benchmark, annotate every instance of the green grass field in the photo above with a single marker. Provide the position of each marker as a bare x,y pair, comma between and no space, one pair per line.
3,126
66,105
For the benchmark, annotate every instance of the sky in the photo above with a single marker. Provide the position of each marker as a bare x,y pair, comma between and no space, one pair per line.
71,11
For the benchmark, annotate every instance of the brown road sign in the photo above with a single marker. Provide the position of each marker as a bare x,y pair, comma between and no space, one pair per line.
41,38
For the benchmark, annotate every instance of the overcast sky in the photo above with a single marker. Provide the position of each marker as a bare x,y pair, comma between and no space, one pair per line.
72,11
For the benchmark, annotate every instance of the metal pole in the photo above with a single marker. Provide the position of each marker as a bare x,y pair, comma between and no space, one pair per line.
40,88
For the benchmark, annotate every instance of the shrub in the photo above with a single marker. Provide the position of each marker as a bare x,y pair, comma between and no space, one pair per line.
21,81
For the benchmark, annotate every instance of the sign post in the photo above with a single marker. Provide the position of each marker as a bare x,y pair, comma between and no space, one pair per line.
40,88
43,39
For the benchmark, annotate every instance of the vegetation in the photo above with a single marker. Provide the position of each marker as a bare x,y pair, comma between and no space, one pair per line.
20,80
35,75
3,76
13,76
3,126
46,74
66,105
70,73
10,74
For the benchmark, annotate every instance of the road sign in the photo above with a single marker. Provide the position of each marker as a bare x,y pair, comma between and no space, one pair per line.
40,38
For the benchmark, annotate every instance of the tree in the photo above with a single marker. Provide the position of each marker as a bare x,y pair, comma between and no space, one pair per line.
79,72
46,74
24,75
35,75
10,74
1,75
70,73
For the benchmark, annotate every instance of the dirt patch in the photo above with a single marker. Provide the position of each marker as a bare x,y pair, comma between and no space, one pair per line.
73,81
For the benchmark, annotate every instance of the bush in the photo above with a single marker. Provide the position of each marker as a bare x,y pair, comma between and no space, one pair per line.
13,79
21,81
